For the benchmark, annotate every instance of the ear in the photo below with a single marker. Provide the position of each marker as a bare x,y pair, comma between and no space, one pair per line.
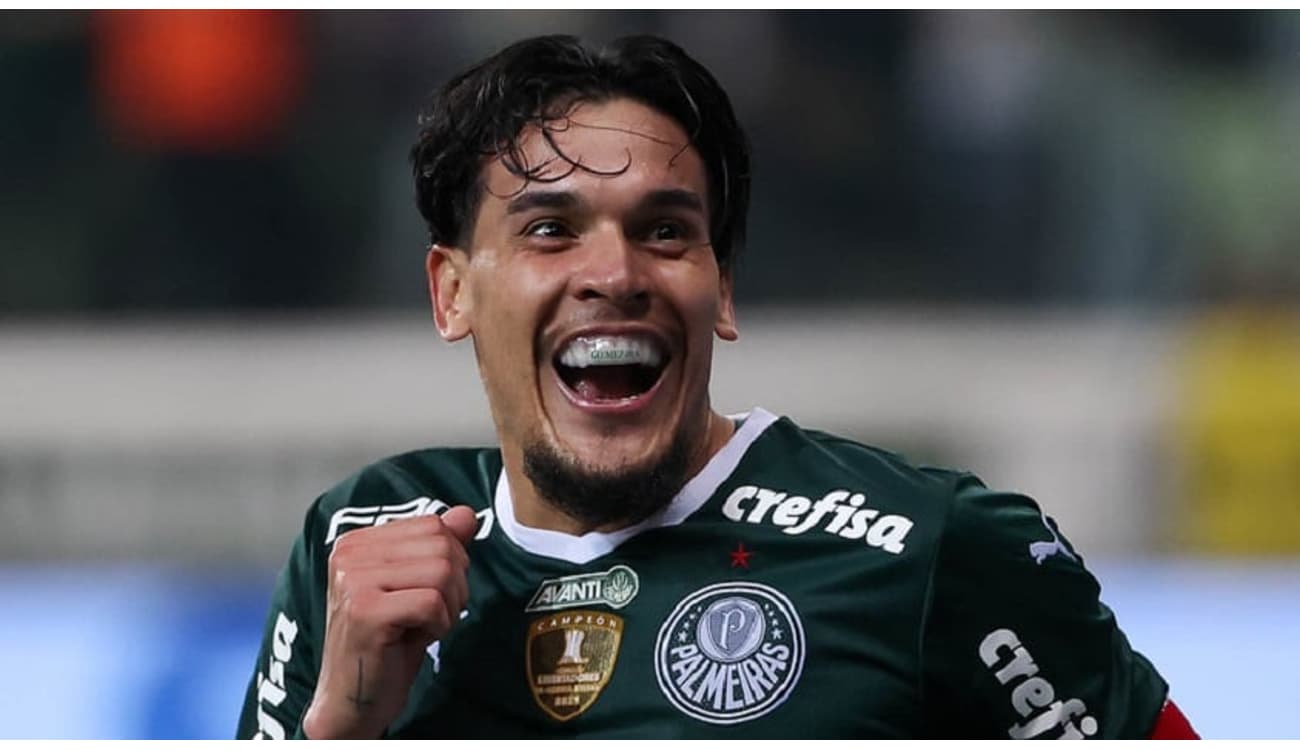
725,326
445,268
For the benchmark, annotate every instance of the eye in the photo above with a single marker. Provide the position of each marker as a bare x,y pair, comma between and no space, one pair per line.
547,229
672,235
667,231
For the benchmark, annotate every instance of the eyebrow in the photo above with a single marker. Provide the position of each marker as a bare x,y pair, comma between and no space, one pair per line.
674,198
554,199
565,199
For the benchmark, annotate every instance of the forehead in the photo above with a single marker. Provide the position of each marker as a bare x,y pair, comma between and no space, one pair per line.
614,144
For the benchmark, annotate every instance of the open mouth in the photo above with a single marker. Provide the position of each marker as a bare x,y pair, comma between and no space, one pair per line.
608,368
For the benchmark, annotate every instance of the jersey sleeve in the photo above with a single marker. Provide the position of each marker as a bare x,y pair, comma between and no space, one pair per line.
284,675
1016,641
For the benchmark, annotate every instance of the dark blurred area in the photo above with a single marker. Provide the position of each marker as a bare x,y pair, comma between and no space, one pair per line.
256,161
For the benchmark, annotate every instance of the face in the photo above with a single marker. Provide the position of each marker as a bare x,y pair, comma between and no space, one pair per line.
593,294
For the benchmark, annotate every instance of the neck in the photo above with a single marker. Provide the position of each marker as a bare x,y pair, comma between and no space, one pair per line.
531,509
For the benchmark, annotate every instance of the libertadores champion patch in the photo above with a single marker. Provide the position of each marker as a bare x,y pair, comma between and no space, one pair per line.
570,658
730,652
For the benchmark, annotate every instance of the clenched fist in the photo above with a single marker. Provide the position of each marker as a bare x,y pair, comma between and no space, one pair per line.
393,590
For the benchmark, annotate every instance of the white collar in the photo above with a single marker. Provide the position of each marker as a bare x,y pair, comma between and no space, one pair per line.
593,544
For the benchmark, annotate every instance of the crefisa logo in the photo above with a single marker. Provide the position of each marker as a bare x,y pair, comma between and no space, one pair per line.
730,652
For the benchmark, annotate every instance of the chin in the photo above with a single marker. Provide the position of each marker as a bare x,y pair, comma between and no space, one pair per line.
608,484
616,449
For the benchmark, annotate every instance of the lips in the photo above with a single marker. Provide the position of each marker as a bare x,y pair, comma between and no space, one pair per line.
611,369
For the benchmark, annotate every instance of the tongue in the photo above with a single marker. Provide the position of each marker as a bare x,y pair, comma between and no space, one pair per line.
608,383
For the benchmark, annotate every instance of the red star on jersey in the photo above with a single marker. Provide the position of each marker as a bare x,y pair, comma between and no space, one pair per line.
740,557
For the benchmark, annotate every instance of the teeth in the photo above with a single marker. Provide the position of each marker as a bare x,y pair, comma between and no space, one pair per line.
595,351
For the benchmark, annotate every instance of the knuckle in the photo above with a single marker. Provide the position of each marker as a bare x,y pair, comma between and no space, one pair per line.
351,580
439,545
434,603
346,545
442,569
416,522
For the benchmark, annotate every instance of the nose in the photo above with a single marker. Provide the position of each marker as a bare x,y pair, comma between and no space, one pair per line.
612,269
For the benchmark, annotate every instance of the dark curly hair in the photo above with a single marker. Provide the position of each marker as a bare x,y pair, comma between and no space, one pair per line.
481,112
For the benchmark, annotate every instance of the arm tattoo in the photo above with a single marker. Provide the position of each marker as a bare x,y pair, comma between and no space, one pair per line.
359,700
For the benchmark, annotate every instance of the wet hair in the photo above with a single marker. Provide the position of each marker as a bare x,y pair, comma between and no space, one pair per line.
481,113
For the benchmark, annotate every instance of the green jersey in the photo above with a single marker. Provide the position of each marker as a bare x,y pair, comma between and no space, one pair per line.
801,585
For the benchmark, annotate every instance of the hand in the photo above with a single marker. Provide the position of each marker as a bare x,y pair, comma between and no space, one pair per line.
393,590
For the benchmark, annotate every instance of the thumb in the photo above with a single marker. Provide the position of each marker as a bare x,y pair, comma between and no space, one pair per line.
461,522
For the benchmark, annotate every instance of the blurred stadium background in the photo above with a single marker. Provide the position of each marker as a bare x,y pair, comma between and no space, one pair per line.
1058,249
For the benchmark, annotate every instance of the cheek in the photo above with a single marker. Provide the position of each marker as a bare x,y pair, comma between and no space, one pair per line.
506,347
509,303
502,300
701,303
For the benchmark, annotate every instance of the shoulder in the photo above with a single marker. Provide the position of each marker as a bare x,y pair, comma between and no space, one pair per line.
884,476
802,480
940,506
415,483
1007,527
823,453
881,465
968,506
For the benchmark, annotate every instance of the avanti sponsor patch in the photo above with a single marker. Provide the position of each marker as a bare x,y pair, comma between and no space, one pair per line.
730,652
613,588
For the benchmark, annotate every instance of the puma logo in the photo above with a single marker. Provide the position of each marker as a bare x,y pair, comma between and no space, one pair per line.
1043,550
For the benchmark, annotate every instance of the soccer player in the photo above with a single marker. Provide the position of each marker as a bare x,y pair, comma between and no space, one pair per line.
629,562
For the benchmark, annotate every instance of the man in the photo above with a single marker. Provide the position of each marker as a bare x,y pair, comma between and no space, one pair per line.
630,563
